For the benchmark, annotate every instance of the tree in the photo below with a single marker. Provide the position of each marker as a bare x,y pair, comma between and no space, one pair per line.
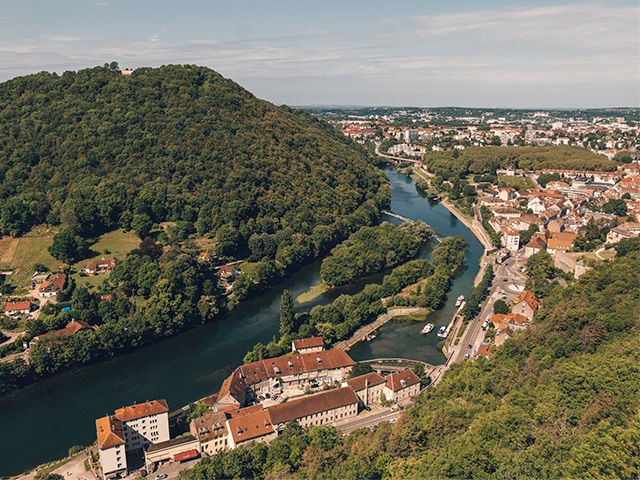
360,369
615,206
500,307
68,246
142,224
287,315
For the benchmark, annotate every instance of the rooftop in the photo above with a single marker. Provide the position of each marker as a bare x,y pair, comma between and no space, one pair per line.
358,383
320,402
140,410
399,380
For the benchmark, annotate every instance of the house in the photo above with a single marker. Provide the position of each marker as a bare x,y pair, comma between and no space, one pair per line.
526,304
401,385
516,322
17,308
537,243
52,286
368,387
60,336
560,242
619,233
486,349
228,272
511,238
502,336
308,345
506,193
288,375
211,431
102,266
131,429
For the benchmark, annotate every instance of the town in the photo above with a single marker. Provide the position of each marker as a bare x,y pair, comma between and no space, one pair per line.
254,404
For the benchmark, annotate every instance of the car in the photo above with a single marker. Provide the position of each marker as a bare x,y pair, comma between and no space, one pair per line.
505,279
469,346
393,420
160,476
466,355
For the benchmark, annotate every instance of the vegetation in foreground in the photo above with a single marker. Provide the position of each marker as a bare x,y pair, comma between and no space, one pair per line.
560,400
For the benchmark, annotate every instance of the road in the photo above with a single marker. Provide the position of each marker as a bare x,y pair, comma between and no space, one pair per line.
368,419
499,290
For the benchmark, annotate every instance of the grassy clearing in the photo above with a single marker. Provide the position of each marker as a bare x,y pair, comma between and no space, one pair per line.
247,267
21,254
314,292
515,182
112,244
413,289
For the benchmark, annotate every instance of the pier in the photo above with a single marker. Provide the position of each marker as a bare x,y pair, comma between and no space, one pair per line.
381,320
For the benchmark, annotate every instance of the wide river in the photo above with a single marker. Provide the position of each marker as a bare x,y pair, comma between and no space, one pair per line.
40,423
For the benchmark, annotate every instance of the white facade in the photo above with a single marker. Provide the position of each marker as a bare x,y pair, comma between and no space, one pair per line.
140,432
113,460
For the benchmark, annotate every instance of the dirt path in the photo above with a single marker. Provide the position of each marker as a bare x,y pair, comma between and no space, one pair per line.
8,248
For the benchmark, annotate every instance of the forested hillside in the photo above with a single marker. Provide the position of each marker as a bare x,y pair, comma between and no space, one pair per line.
560,400
94,150
478,160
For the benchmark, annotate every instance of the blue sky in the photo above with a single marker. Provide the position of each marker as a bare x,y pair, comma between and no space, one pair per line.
490,53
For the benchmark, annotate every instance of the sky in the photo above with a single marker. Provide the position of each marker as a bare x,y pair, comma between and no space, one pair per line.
489,53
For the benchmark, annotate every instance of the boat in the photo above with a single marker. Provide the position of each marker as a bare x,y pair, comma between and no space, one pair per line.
368,337
459,300
442,332
427,328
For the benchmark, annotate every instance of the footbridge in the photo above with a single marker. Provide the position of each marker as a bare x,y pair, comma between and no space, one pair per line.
390,365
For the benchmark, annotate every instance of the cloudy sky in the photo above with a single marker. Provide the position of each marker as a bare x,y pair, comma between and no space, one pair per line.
490,53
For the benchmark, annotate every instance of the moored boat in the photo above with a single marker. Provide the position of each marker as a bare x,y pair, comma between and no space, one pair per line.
459,300
427,328
442,332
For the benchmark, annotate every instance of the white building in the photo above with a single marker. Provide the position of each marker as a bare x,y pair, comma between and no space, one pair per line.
511,238
131,428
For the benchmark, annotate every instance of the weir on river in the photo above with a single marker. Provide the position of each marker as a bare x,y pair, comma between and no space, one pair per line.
41,422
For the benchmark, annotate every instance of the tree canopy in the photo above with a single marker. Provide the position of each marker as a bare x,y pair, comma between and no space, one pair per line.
95,150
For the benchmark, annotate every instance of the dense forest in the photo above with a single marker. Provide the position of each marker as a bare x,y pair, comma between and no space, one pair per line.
559,400
478,160
93,150
373,249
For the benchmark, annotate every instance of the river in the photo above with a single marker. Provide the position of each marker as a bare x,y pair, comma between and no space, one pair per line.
39,423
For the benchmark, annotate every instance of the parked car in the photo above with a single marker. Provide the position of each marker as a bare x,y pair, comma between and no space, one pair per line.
160,476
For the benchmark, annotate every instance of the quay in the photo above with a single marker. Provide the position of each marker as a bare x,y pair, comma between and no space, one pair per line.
381,320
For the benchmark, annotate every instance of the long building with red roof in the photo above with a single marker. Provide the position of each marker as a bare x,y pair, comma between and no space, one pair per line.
290,373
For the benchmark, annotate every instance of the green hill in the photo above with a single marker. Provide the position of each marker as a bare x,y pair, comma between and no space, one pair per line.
560,400
96,150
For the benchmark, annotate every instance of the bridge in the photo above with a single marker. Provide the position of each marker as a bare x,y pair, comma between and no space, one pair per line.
390,365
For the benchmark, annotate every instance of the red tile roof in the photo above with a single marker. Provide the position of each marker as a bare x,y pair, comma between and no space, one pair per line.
188,455
55,283
142,410
320,402
110,432
311,342
17,306
528,297
255,372
358,383
248,427
394,381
